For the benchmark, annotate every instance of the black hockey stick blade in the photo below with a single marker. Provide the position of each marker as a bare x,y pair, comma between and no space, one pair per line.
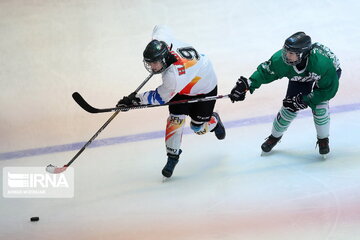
82,103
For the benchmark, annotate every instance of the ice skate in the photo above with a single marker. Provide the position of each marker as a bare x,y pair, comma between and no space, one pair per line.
268,145
219,129
324,148
170,165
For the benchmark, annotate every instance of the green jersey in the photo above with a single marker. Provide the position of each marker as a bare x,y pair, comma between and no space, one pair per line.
321,68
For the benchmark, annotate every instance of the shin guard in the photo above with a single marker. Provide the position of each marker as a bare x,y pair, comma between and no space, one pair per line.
174,131
321,117
282,122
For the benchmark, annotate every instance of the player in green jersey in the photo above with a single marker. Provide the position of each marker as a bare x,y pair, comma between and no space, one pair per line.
313,72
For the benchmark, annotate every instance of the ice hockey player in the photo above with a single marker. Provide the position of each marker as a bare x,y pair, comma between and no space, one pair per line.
186,74
313,71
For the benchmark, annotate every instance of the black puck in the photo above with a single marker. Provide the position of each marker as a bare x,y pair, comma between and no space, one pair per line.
34,219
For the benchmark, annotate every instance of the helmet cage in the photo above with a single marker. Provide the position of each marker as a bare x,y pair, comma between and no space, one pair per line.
151,70
299,56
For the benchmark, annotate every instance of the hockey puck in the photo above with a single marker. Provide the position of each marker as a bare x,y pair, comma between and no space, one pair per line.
34,219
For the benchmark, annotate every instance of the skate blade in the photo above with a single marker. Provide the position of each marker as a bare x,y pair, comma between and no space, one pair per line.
324,156
165,179
263,154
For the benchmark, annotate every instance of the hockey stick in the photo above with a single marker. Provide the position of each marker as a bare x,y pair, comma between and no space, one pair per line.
53,169
87,107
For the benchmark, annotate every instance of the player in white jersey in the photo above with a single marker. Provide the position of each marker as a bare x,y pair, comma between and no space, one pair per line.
186,74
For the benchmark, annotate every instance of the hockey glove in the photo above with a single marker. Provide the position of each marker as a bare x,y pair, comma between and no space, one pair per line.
239,91
130,100
294,103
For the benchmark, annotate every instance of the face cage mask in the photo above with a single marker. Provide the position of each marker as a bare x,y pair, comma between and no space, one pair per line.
150,70
288,61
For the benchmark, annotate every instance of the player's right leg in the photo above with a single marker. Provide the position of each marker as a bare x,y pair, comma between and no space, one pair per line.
284,116
174,130
173,137
280,125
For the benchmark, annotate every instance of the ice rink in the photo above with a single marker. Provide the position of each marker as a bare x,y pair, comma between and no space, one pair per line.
220,189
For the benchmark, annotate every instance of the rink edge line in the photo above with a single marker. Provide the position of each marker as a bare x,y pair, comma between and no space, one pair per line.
158,134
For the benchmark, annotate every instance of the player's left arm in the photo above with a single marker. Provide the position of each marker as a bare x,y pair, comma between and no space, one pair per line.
326,88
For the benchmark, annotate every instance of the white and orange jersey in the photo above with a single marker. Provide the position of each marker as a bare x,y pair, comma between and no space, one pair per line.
192,74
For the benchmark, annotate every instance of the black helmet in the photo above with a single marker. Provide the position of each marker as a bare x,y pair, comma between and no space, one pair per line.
156,51
299,43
